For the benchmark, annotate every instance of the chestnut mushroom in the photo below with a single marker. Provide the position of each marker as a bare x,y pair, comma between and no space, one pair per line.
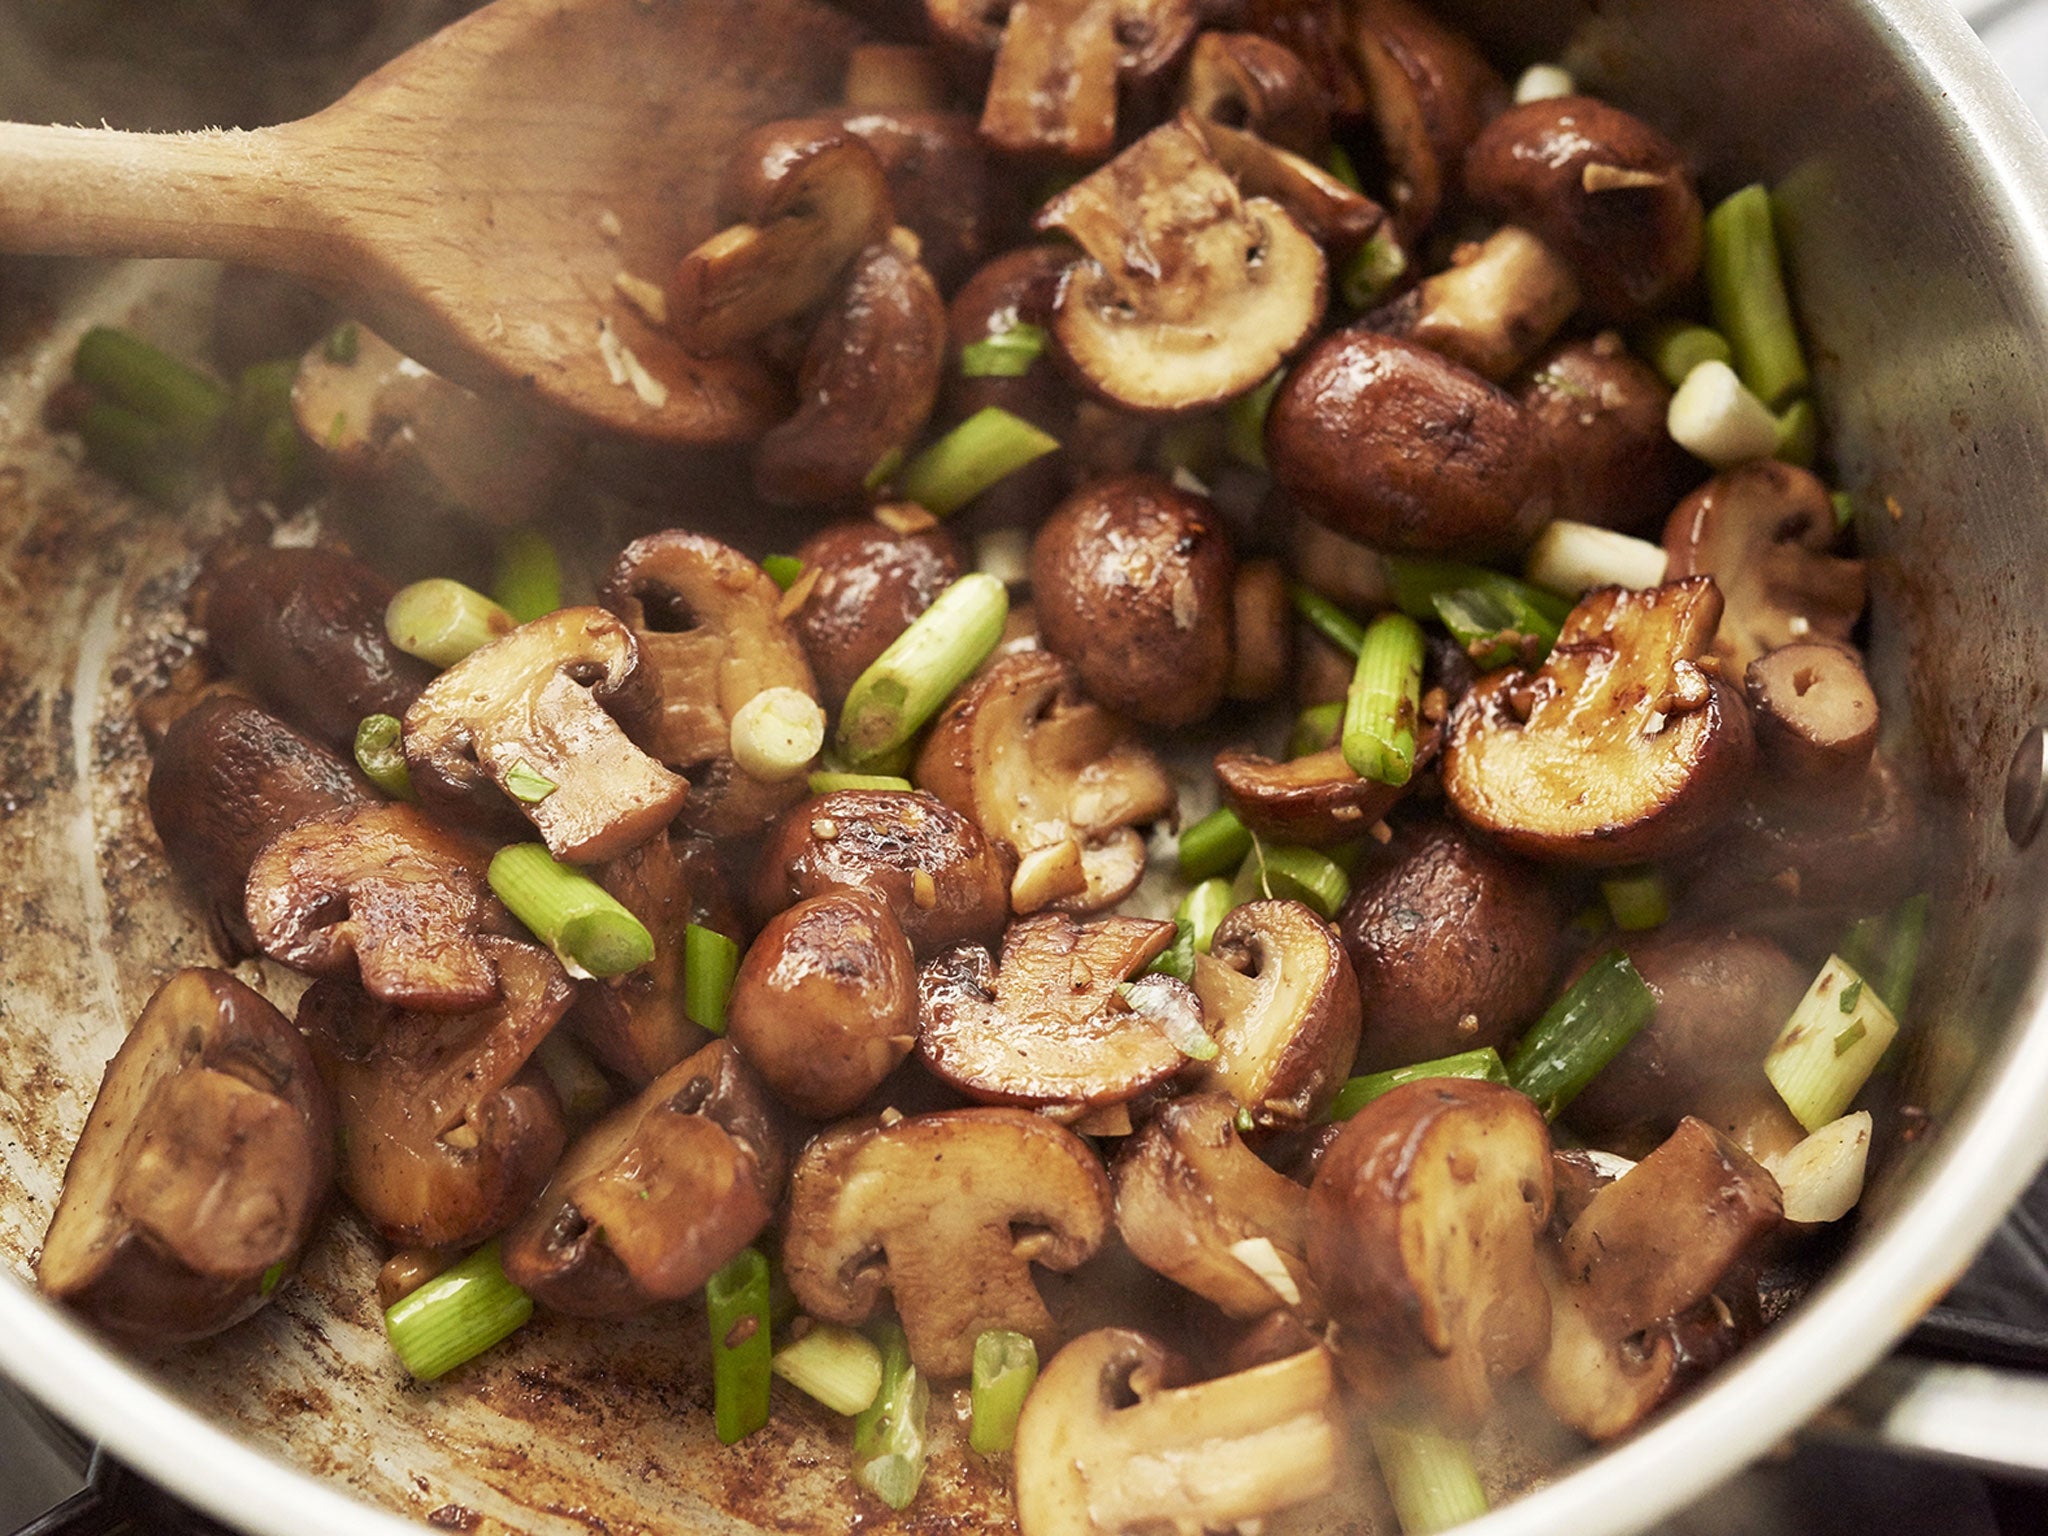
656,1197
207,1154
1430,93
1601,410
1604,189
448,1134
1318,32
1498,302
1131,580
1243,80
1423,1225
522,724
1053,1026
947,188
1623,746
1317,801
1049,777
635,1024
1281,1001
947,1212
1815,714
1189,293
871,582
1335,214
1108,1443
825,1003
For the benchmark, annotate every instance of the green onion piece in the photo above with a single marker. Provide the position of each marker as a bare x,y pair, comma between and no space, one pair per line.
908,682
1373,270
1215,844
527,784
983,449
1886,950
1845,509
1244,421
888,1438
1637,900
344,342
1338,162
884,470
783,570
572,914
441,621
710,961
578,1082
1497,619
1826,1052
1005,1366
1178,958
1583,1030
1185,1033
1430,1477
1746,290
456,1316
826,783
840,1368
139,453
127,371
528,579
1283,872
263,433
1483,1064
1798,434
1677,347
736,1301
1385,702
1316,729
1327,619
272,1278
380,753
1203,910
1003,354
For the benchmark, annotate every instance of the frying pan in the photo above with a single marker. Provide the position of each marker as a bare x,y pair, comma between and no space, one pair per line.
1917,230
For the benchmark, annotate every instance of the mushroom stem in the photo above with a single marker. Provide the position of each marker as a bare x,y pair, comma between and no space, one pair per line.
380,753
441,621
1385,701
983,449
1746,288
736,1302
1005,1368
584,924
922,666
888,1438
1429,1475
1583,1030
1482,1065
456,1316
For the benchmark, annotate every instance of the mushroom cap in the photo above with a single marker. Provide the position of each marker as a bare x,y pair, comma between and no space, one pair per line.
205,1158
1430,92
1241,79
1601,410
1335,214
1623,747
872,582
929,1209
947,188
1814,711
1315,801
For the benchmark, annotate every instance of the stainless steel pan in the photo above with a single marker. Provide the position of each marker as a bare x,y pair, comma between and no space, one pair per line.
1914,188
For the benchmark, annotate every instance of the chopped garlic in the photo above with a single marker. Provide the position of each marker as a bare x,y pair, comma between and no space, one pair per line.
609,349
644,296
652,392
1258,1255
609,226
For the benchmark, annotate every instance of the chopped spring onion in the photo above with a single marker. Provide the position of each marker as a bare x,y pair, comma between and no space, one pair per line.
456,1316
1316,729
983,449
124,370
1373,271
777,734
1338,162
1715,417
1005,1366
710,962
380,753
1885,949
1845,509
1583,1030
1430,1477
736,1301
1003,354
263,434
1822,1176
1798,434
1214,845
1483,1064
826,783
1497,619
1830,1045
441,621
344,343
889,1445
1746,290
1178,958
1385,702
783,570
1203,910
840,1368
1181,1025
527,784
909,681
582,922
1327,619
527,580
578,1083
1244,421
1544,82
1677,347
1637,900
1573,558
141,454
1282,872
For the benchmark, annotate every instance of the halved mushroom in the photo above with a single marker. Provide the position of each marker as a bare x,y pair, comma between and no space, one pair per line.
945,184
1050,777
1624,746
447,1133
1815,713
872,582
636,1024
380,893
1336,214
1109,1444
1243,80
1430,92
1316,801
711,637
206,1155
656,1197
522,725
1190,1194
1281,1000
1190,293
947,1212
1601,410
1423,1226
1763,531
1051,1027
1492,309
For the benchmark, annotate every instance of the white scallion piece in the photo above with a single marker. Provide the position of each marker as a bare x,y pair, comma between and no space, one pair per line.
1258,1255
1544,82
1822,1177
840,1368
1005,553
1571,559
777,734
1830,1045
1714,416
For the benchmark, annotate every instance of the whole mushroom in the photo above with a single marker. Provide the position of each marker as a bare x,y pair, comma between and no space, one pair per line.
871,582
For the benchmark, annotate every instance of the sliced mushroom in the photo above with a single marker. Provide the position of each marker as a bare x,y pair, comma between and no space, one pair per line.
1763,531
1051,1028
382,894
658,1196
1109,1444
1492,309
523,724
1051,778
946,186
1189,1194
204,1160
1622,747
636,1024
1430,92
711,636
1281,1000
1601,410
447,1135
947,1212
1815,713
1335,214
1423,1226
1317,801
1243,80
1190,293
872,582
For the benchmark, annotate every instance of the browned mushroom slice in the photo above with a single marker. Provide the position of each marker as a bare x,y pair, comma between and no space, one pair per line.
1317,801
657,1196
1052,778
947,187
204,1160
802,198
1430,92
1194,1202
635,1024
380,893
1623,747
1492,308
1109,1444
947,1212
1335,214
871,583
1601,410
1763,531
1051,1027
1279,996
1815,713
1423,1225
1191,294
446,1134
1243,80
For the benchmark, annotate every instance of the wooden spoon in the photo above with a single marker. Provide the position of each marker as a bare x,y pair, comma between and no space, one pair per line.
475,199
